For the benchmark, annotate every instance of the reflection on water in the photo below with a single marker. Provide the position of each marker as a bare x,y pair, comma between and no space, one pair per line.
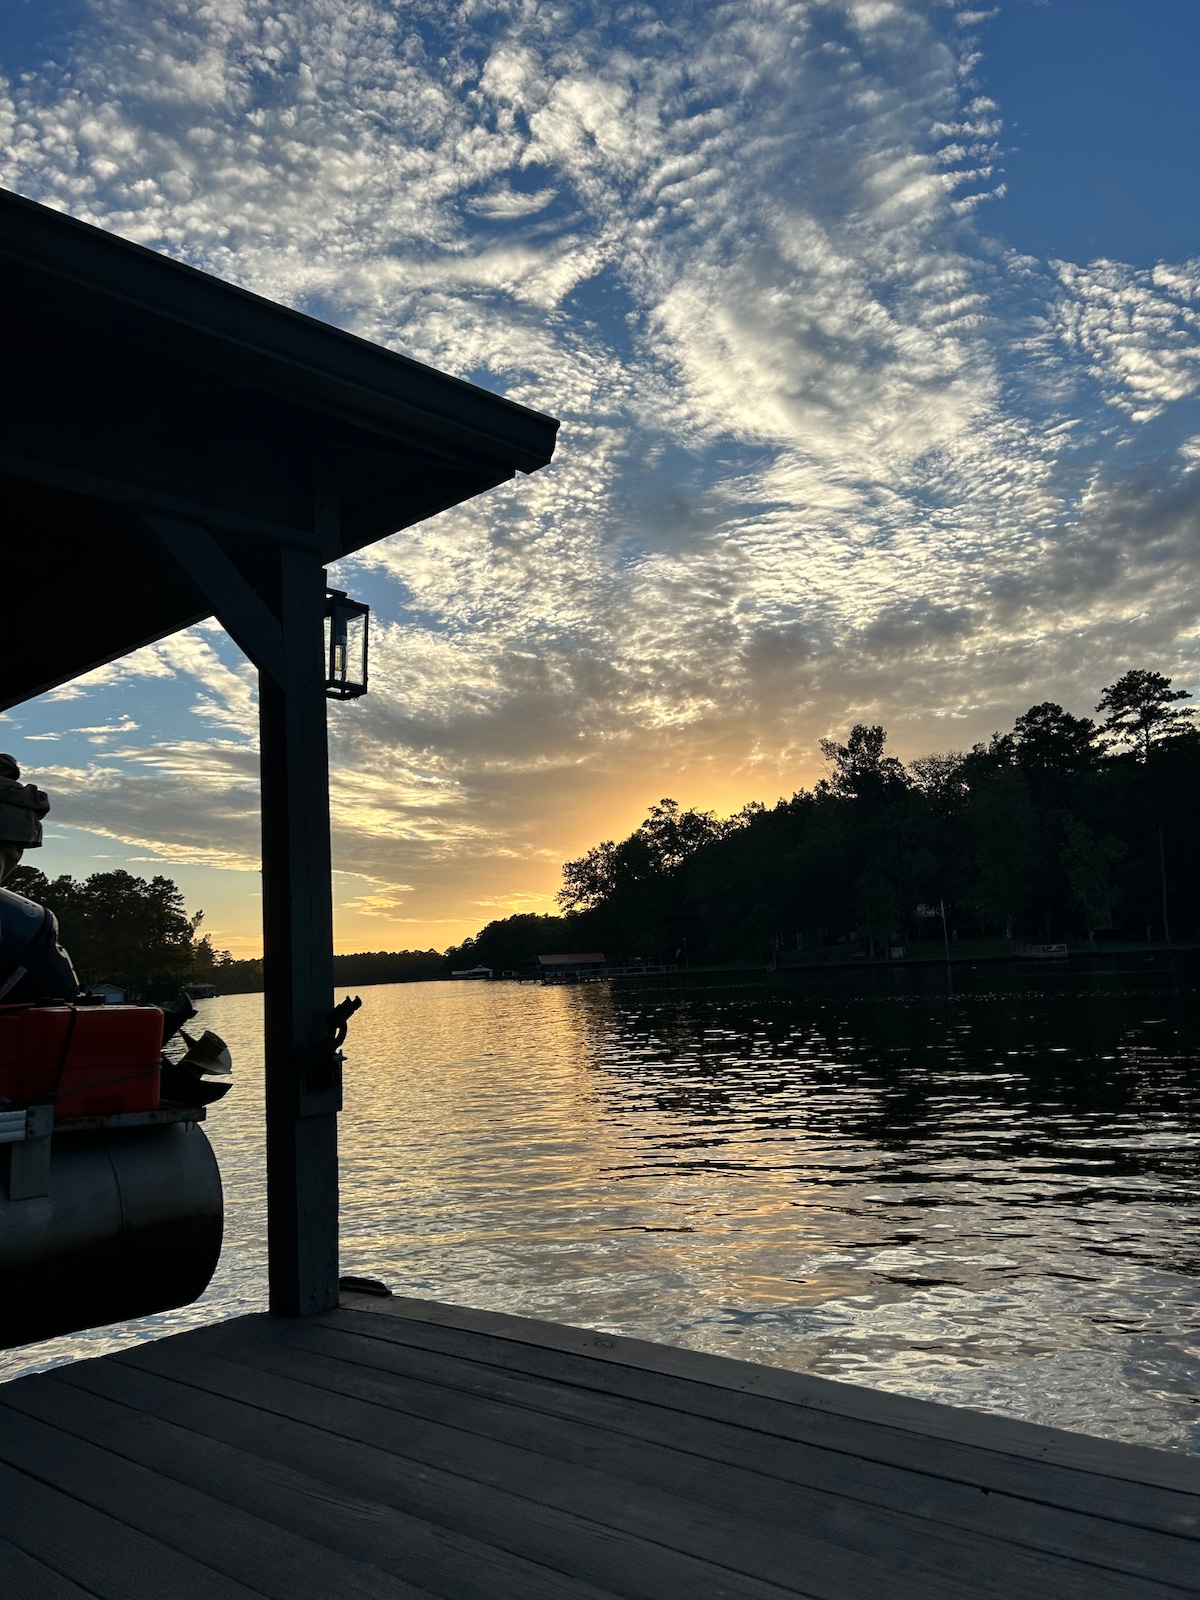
983,1190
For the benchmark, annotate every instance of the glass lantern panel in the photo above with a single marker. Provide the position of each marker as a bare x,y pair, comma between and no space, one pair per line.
356,649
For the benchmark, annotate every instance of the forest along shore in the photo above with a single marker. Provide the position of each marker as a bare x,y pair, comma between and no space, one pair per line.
1062,831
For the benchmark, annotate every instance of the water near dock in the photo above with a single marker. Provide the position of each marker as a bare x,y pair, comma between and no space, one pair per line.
980,1187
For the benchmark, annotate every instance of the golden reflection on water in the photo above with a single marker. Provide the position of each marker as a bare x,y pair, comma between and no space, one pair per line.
988,1198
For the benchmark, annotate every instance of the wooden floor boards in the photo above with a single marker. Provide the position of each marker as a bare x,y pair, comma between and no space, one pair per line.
398,1450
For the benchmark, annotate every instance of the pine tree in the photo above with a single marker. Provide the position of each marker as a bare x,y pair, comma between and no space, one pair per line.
1143,710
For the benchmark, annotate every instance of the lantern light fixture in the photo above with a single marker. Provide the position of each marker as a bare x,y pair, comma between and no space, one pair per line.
345,646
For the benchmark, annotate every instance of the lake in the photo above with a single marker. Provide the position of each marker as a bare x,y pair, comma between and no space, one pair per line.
978,1185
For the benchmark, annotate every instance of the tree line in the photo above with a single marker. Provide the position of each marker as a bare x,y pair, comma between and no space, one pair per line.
1063,827
357,970
136,933
117,928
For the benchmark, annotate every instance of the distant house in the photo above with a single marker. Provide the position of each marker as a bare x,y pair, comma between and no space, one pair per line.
112,994
201,991
571,968
473,972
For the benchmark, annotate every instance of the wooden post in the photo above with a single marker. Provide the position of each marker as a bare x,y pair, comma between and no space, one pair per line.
303,1077
304,1088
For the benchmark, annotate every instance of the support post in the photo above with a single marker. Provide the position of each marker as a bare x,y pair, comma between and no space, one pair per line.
304,1089
303,1081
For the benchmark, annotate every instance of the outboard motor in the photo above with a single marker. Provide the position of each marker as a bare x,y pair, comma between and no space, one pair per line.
110,1199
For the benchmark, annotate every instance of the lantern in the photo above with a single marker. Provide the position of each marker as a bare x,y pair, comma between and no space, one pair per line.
345,646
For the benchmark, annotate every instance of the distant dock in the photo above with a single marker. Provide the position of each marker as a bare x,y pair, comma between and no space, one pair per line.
398,1450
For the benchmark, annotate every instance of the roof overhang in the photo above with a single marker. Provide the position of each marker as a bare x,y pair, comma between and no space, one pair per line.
136,385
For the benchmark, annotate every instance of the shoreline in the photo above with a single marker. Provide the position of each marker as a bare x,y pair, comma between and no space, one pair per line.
759,971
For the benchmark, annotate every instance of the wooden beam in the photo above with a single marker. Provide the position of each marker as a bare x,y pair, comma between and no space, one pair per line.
244,615
121,494
303,1080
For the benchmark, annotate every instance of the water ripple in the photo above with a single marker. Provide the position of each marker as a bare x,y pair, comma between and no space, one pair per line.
984,1190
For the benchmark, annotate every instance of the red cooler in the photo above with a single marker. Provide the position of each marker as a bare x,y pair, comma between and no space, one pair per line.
93,1061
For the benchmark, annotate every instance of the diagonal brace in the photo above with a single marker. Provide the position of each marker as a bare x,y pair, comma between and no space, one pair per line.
240,610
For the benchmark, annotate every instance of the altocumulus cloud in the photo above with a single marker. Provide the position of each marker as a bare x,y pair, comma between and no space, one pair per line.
831,450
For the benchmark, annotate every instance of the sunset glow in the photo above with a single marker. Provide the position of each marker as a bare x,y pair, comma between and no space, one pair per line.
839,443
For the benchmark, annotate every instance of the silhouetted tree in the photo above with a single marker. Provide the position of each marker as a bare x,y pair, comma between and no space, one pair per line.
1034,830
1144,711
941,777
609,871
861,771
510,943
1089,860
1053,749
1051,745
130,931
1002,834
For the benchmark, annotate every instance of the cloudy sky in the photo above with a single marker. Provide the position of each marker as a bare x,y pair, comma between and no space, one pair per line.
872,325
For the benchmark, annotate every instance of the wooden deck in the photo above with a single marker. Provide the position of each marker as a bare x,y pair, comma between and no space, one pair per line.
396,1448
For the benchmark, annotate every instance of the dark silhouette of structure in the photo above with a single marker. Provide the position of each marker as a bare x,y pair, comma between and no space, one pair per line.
175,448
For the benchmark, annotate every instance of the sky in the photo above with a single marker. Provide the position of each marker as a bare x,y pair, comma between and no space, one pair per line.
872,326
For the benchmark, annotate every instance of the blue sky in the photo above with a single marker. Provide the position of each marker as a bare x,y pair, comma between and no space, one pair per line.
1101,103
872,325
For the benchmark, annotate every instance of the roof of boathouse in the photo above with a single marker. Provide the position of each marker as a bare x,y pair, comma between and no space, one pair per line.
137,385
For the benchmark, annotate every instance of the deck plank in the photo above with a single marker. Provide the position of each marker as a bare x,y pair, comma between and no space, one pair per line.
222,1401
926,1419
316,1534
714,1464
437,1453
819,1535
997,1461
102,1554
22,1577
193,1527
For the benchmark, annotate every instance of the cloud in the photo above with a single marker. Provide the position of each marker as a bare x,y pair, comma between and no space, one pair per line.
188,803
1137,330
505,203
829,449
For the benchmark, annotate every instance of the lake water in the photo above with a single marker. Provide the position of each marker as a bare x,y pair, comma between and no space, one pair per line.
981,1187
